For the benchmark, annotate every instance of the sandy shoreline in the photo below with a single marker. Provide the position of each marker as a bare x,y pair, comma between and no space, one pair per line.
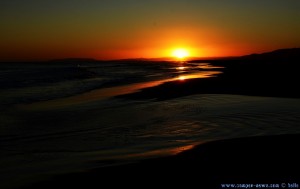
177,110
267,159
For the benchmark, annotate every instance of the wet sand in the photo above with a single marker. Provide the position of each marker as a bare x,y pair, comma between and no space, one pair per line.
267,159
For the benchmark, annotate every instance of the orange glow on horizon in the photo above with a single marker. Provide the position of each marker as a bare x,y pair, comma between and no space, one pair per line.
175,44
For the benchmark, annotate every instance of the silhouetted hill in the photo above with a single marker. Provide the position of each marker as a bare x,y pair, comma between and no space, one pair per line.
75,60
280,54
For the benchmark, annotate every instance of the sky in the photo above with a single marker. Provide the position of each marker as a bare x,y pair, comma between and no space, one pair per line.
117,29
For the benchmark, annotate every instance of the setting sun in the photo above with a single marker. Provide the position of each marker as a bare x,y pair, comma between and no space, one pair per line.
180,53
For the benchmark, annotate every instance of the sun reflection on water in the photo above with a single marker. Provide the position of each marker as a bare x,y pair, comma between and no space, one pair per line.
181,78
180,68
205,74
182,148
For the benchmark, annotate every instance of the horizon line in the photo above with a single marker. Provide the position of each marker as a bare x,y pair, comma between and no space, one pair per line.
169,58
119,59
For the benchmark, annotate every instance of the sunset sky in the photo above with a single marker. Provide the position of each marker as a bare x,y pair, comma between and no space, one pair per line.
115,29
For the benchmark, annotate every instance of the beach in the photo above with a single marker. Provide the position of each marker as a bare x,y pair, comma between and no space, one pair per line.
81,125
250,160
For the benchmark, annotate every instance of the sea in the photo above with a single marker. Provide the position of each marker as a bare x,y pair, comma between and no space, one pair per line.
61,117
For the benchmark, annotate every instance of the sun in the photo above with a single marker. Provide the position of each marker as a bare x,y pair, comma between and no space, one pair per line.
180,53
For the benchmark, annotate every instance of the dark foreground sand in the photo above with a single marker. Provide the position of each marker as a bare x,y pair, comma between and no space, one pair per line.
266,159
